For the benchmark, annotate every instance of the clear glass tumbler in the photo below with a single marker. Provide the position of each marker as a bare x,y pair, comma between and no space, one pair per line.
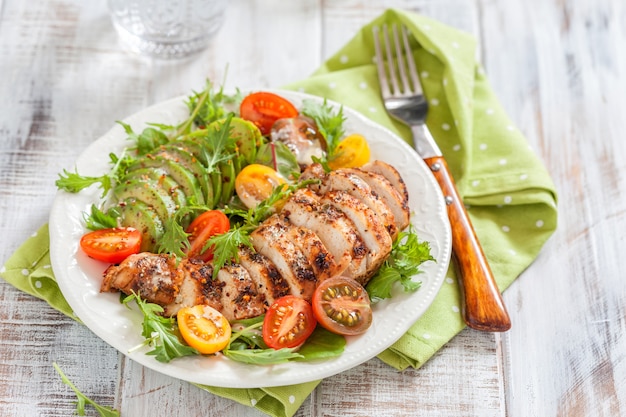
167,28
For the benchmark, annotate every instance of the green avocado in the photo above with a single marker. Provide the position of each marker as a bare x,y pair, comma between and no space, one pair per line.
151,193
142,217
182,156
163,180
187,181
247,136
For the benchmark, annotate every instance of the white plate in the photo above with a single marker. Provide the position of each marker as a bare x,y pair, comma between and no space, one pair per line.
79,277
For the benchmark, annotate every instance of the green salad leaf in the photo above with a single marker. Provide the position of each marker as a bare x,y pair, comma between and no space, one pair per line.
83,400
329,123
407,254
161,333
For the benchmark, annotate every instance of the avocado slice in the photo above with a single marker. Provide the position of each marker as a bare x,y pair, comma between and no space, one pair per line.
247,136
163,180
151,193
142,217
188,183
188,160
229,174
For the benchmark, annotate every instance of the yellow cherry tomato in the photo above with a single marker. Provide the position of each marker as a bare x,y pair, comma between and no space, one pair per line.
204,328
255,183
352,152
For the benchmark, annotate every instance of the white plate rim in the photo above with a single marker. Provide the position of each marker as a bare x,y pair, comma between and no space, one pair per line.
79,276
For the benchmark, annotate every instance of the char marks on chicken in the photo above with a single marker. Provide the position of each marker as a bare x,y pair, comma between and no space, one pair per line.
343,225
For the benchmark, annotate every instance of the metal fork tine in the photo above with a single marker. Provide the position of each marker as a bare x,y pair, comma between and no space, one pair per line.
406,86
390,64
409,57
380,63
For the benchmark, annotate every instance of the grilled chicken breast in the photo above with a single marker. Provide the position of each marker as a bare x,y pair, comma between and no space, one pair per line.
159,279
333,228
345,224
264,273
385,190
272,241
375,237
343,180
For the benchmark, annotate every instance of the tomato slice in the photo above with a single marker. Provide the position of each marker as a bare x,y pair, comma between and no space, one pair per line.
288,322
352,152
206,225
255,183
264,108
111,245
204,328
341,305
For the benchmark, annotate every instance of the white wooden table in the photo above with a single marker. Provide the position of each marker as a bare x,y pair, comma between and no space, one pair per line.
559,68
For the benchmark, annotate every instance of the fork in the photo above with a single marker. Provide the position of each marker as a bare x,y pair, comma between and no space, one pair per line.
401,90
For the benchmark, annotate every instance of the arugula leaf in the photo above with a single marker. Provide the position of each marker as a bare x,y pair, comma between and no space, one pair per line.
329,123
73,182
262,356
208,105
407,254
83,399
148,140
160,332
322,344
246,345
101,220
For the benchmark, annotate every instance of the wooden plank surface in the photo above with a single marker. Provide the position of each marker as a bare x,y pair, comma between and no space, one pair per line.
559,70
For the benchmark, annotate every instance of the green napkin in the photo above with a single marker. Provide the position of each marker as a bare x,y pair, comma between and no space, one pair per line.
511,198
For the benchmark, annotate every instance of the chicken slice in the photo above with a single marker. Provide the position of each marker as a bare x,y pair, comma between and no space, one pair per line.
240,298
320,258
382,187
158,279
333,228
270,239
197,286
153,277
392,174
268,280
342,180
374,235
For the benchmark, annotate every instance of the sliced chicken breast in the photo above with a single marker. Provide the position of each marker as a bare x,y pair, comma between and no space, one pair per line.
268,280
197,286
333,228
343,180
387,193
153,277
240,298
270,239
391,173
372,232
320,258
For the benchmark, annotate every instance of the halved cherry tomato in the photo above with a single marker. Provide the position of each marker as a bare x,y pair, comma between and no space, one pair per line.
111,245
288,322
341,305
352,152
204,328
255,183
264,108
206,225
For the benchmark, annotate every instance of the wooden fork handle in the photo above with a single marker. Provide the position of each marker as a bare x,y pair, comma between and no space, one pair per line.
483,308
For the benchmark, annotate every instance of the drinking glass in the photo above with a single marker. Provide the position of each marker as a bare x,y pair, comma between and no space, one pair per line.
166,28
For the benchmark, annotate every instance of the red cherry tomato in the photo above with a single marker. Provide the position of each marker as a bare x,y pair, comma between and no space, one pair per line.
206,225
111,245
341,305
288,322
264,108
